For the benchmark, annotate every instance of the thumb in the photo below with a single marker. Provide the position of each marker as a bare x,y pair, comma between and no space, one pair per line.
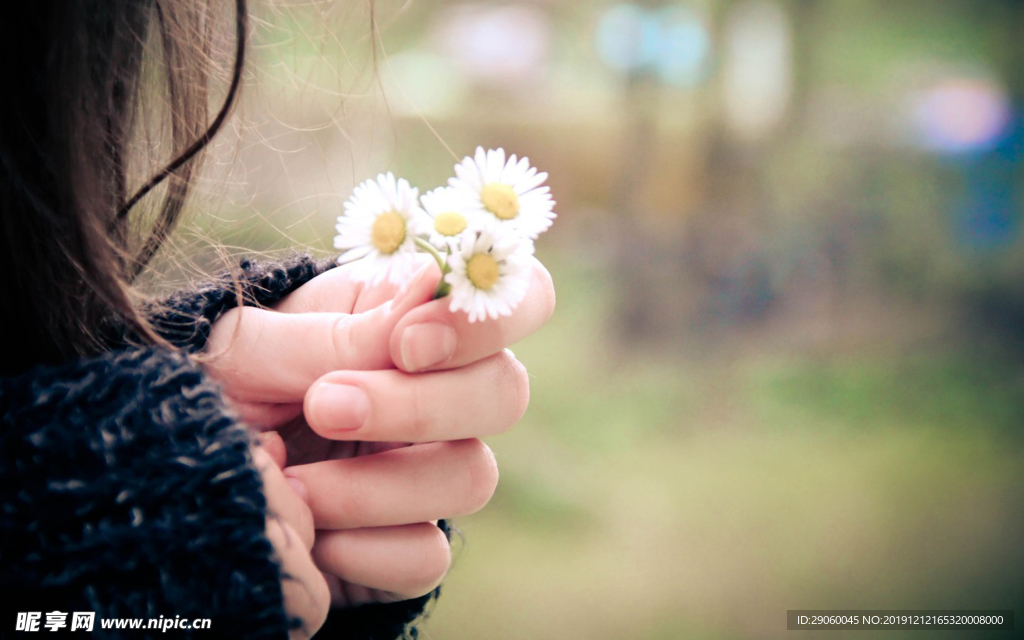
269,356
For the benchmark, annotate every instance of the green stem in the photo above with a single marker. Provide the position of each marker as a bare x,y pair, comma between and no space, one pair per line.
443,288
429,248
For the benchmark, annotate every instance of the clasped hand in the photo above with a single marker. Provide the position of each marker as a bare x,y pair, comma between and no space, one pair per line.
371,401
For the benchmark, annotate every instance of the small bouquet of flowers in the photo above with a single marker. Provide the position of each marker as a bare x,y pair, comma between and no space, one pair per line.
480,229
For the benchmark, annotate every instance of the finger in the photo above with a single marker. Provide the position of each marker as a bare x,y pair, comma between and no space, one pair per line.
406,561
401,486
273,357
263,416
371,296
347,594
284,499
433,337
303,587
484,398
273,444
335,291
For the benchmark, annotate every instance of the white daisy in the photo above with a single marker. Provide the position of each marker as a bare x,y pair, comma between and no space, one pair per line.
450,213
490,273
379,228
510,192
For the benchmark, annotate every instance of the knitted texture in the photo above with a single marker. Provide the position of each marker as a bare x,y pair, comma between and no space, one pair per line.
126,489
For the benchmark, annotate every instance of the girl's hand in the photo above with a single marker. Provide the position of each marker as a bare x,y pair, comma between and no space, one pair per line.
330,369
268,359
290,531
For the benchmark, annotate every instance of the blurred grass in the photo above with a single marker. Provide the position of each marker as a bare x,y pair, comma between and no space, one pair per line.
655,496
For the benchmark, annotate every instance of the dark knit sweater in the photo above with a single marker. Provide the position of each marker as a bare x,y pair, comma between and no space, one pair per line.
127,488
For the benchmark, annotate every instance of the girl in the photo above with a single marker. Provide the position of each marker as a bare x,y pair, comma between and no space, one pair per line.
131,486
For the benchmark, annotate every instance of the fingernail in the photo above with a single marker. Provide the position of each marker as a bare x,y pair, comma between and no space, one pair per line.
427,344
298,486
339,407
269,439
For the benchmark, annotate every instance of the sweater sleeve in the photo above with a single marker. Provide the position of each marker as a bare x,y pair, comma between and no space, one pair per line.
128,490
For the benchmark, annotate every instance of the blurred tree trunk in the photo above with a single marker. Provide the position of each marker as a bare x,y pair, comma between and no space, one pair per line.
635,252
997,303
1006,20
722,238
803,19
635,257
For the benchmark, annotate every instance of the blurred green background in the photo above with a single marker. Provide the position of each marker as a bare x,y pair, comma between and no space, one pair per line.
785,371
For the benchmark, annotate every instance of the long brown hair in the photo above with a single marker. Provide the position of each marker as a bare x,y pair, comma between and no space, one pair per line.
73,239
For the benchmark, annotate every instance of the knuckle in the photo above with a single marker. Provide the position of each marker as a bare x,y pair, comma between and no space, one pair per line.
432,561
482,472
517,381
420,417
221,338
547,298
354,505
342,338
340,509
304,526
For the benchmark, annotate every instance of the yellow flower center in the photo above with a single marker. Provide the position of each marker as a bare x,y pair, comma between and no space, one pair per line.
501,200
450,223
388,232
482,271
